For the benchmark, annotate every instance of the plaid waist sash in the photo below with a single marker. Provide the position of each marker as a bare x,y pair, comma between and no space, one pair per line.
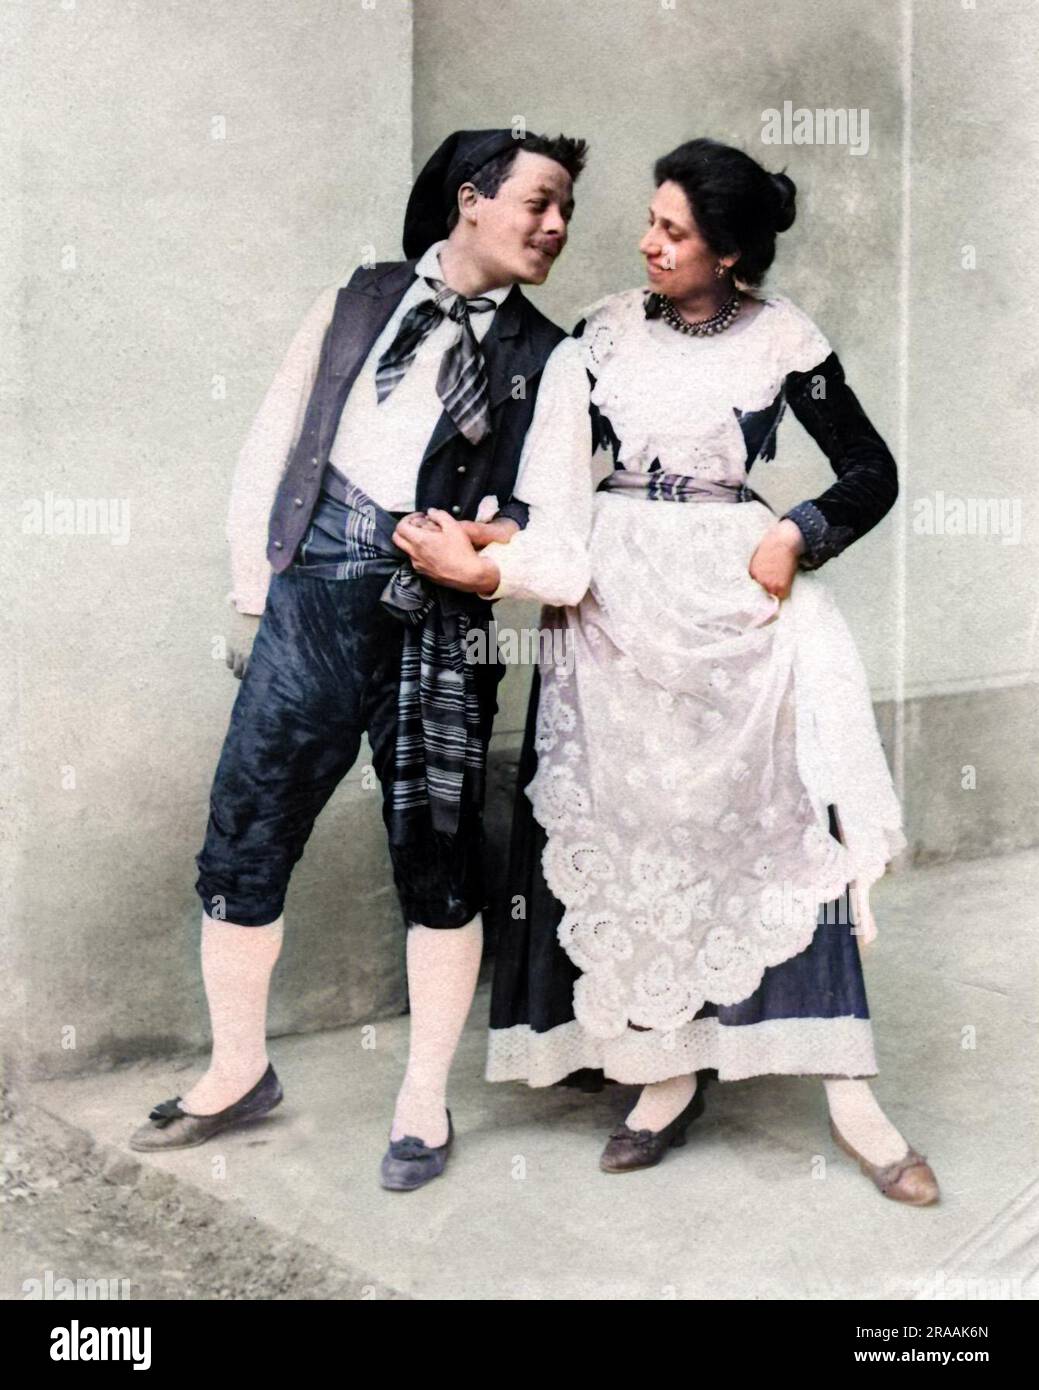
439,755
676,487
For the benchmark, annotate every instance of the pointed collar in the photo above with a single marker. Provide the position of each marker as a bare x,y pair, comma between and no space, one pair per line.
429,264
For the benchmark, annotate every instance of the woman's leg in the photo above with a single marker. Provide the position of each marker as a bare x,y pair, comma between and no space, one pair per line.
660,1102
855,1112
236,968
853,1106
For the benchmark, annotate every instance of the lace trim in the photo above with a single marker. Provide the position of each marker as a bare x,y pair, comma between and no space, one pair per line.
667,911
671,398
840,756
802,345
822,541
780,1047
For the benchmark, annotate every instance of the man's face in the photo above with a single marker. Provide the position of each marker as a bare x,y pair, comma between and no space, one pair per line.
523,228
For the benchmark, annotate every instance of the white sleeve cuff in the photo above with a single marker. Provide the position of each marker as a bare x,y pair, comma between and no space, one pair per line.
499,553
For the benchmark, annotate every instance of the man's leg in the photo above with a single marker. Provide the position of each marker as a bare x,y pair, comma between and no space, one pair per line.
236,968
440,881
294,734
443,967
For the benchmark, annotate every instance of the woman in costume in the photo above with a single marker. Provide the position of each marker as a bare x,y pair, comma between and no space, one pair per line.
703,799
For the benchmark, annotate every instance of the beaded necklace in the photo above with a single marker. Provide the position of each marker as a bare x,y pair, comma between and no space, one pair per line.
717,323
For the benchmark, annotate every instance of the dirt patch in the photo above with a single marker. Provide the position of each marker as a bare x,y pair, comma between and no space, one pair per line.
85,1212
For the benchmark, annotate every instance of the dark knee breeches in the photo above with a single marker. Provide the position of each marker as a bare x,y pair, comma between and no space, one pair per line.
324,671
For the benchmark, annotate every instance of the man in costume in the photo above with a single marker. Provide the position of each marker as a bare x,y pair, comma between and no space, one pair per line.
394,427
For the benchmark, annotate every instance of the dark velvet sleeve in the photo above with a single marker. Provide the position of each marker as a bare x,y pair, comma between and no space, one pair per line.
867,477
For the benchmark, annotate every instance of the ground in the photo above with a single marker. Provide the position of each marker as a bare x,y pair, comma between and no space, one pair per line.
759,1204
70,1208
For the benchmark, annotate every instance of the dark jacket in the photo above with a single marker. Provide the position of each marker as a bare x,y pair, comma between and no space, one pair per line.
454,474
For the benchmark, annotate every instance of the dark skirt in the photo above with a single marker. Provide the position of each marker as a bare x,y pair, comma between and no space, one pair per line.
808,1016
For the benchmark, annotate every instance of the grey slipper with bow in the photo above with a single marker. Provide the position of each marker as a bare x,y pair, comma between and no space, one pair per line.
409,1162
170,1127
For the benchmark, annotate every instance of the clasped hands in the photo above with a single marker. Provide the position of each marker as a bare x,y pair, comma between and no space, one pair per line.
448,551
441,548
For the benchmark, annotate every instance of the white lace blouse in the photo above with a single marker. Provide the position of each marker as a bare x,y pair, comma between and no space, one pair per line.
664,400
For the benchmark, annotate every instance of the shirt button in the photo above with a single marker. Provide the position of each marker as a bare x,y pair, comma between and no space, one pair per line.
313,461
455,509
461,468
298,501
278,545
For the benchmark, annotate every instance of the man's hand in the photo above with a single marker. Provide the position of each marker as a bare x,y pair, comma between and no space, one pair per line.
445,554
774,562
241,634
422,520
482,533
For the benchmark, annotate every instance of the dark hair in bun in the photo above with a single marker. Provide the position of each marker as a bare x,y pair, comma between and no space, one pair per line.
738,205
786,200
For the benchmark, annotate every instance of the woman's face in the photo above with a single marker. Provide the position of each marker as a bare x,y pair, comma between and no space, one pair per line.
679,263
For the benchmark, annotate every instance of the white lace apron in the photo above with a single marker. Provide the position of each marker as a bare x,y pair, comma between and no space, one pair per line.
691,743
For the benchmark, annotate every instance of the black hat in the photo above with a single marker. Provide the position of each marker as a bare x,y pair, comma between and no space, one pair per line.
436,189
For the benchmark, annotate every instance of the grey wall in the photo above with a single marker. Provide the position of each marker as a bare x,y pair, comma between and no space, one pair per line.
970,639
158,273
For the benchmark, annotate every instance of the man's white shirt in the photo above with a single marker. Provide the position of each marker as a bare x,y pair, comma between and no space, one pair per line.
380,447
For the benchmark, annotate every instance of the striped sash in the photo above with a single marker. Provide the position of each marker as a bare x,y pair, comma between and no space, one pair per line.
676,487
439,757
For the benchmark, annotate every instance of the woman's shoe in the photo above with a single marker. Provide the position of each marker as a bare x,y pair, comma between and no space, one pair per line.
627,1150
908,1179
170,1127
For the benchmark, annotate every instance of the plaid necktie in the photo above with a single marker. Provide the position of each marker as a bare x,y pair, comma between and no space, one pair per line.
462,378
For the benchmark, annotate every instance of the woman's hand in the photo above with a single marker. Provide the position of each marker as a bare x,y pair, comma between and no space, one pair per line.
482,533
774,562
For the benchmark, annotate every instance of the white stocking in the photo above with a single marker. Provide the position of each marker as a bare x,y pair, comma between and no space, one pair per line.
443,966
860,1119
236,968
660,1102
